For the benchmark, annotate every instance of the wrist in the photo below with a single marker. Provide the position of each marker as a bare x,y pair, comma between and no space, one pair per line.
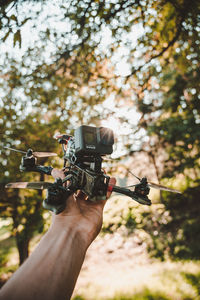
73,227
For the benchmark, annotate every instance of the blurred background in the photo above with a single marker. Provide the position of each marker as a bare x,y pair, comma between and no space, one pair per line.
130,65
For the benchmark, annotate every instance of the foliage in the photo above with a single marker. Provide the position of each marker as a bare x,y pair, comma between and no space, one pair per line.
38,99
194,280
170,230
22,131
170,88
68,70
183,229
168,281
172,280
145,295
162,80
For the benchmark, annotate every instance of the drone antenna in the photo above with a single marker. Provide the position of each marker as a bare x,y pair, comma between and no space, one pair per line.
134,175
15,150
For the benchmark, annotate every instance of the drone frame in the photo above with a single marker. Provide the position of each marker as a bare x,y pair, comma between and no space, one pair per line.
85,174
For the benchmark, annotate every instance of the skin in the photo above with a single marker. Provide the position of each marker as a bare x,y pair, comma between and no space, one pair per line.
52,270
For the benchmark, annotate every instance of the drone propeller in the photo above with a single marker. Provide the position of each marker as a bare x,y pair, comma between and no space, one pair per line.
163,188
44,154
30,152
134,175
154,185
20,151
40,185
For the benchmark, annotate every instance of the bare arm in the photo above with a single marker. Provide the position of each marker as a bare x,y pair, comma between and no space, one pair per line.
53,268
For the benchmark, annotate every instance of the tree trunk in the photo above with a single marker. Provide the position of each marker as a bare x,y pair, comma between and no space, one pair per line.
23,248
23,238
152,156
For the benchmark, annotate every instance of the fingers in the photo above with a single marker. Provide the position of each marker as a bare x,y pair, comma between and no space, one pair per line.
80,195
56,173
112,182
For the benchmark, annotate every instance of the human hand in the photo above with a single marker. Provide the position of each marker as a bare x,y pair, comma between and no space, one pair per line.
87,216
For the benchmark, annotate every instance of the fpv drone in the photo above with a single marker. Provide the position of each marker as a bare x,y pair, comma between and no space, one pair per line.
83,154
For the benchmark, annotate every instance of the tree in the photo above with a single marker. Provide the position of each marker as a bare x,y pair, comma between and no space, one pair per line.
38,100
65,87
24,207
174,118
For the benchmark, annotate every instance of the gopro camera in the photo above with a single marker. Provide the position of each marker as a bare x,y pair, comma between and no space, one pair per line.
91,140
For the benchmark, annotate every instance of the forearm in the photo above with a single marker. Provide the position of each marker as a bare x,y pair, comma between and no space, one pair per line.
52,270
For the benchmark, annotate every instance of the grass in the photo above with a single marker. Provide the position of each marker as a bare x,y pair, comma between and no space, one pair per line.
194,280
7,242
8,251
113,275
161,281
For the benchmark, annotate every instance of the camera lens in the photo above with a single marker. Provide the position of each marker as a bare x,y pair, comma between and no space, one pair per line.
106,136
